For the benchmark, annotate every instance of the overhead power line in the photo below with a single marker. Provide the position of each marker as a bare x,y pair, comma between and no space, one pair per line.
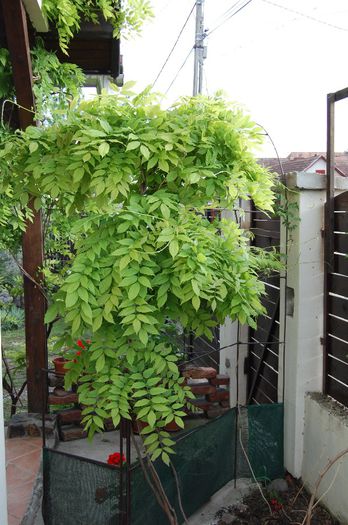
304,15
174,45
232,14
224,15
178,72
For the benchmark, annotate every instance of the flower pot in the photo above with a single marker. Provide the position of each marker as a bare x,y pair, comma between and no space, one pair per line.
138,425
59,363
172,427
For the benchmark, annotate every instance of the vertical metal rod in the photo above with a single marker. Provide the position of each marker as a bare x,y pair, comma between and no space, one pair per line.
120,503
43,415
237,409
128,467
329,222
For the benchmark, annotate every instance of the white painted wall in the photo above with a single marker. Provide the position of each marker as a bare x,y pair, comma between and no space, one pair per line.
3,493
232,358
326,435
304,353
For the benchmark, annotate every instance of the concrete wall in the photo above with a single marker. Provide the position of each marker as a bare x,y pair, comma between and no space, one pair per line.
315,427
326,435
304,319
232,356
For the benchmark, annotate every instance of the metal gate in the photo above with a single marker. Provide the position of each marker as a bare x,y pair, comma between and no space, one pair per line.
336,350
262,361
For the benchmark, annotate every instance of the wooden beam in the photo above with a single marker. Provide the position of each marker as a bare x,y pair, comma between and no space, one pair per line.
35,304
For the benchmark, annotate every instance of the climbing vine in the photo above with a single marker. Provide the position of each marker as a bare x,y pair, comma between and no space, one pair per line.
126,17
145,256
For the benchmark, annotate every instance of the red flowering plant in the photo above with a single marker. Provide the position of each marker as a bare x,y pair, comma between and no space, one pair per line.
276,505
74,354
116,459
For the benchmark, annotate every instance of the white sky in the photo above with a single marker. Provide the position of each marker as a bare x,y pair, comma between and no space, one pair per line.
277,64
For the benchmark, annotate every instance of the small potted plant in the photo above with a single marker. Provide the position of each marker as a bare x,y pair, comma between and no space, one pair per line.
61,361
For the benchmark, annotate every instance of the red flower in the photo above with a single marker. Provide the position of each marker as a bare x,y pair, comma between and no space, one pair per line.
88,341
80,344
74,360
115,459
78,352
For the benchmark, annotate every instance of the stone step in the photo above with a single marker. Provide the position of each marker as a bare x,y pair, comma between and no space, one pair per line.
71,432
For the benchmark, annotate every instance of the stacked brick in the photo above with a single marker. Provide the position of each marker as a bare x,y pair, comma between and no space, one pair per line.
210,388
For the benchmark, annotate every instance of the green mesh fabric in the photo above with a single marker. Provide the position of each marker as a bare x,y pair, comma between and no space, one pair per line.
204,462
82,492
265,442
78,491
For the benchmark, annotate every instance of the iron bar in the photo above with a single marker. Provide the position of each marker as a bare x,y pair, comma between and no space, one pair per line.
329,225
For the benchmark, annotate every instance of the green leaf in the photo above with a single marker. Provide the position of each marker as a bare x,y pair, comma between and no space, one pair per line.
151,418
165,211
100,363
71,299
133,291
173,248
33,146
133,145
103,149
136,325
145,151
51,313
165,458
196,302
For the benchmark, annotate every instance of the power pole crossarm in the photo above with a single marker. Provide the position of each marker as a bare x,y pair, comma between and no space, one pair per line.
200,50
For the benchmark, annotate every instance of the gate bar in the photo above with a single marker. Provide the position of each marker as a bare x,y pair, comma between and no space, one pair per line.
329,216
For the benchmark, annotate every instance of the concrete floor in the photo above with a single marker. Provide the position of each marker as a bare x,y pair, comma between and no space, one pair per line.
107,443
228,495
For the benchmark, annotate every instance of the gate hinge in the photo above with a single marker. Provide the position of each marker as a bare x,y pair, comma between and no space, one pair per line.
322,341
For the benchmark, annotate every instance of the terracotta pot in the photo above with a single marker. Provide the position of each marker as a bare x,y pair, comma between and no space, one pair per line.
59,363
138,425
172,427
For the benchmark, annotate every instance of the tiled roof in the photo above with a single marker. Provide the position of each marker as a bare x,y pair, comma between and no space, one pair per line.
302,161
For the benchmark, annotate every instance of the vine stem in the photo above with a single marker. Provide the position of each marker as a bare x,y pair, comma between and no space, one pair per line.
308,516
156,485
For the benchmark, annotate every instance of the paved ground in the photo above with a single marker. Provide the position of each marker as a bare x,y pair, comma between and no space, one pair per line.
22,464
228,495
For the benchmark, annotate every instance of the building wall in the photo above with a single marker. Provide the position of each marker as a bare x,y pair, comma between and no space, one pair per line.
325,436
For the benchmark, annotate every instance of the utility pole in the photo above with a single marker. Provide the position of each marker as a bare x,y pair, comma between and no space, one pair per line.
200,49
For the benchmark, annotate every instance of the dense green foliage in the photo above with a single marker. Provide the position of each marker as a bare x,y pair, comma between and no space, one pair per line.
66,15
140,179
55,83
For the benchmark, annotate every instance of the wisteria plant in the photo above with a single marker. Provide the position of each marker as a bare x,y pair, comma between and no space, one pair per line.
140,178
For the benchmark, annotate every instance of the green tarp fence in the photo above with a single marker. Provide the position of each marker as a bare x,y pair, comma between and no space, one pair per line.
78,491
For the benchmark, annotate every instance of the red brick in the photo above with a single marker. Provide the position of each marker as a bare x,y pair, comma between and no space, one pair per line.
202,404
203,390
70,415
220,379
70,397
200,372
71,432
219,395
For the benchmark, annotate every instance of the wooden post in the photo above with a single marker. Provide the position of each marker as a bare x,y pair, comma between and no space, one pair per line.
35,304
